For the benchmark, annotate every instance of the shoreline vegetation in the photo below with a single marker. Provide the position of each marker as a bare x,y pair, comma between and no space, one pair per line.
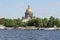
38,23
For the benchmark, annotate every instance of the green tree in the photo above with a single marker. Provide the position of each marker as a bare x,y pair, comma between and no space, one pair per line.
19,22
45,22
35,22
31,22
6,23
39,22
51,22
57,22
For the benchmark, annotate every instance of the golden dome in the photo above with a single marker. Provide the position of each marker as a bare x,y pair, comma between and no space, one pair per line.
29,9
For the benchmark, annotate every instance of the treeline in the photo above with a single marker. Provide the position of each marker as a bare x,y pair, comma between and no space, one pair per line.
38,22
12,22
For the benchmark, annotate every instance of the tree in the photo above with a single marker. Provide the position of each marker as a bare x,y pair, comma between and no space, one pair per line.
1,22
38,22
57,22
35,22
19,22
11,23
51,22
6,23
31,22
45,22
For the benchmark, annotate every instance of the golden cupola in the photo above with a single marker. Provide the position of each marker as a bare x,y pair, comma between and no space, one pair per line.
28,12
28,15
29,9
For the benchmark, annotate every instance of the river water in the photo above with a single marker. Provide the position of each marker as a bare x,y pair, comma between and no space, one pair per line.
29,35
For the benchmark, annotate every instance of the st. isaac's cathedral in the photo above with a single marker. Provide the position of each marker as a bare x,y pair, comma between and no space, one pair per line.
28,15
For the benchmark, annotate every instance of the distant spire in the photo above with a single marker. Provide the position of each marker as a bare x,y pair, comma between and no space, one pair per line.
28,6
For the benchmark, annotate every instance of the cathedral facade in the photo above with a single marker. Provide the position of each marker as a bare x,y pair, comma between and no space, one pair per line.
28,14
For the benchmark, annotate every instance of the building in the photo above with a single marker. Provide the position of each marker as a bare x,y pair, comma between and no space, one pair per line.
2,27
28,14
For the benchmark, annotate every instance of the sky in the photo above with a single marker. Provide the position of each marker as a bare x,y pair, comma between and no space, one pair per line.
41,8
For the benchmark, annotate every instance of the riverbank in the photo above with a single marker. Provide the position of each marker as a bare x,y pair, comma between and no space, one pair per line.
29,27
32,27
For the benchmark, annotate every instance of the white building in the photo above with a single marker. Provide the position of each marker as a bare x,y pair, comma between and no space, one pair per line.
2,27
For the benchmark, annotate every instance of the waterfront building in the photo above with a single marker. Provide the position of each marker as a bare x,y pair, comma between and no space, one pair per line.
2,27
28,14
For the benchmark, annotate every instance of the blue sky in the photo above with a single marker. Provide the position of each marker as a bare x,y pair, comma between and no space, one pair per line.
41,8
